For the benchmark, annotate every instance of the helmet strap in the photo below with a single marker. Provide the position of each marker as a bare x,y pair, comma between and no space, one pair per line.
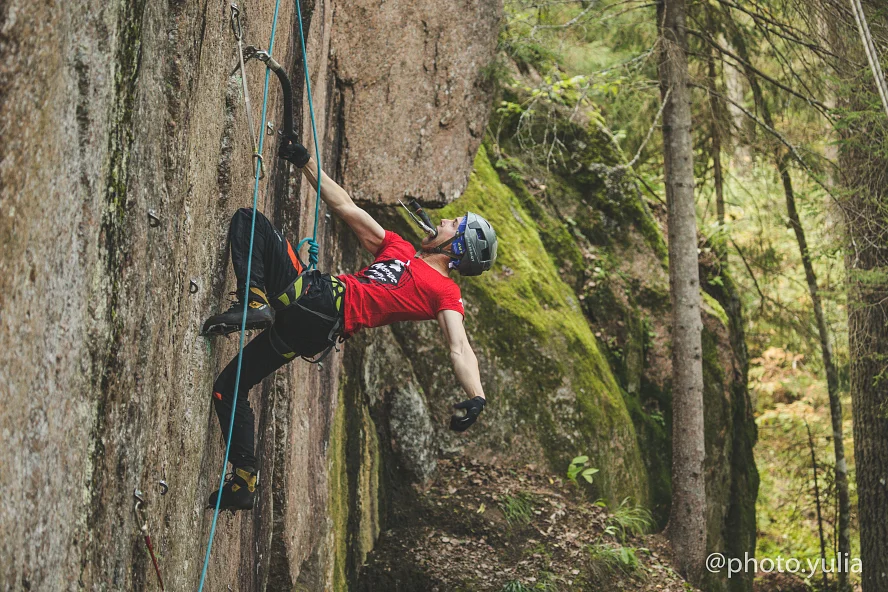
440,249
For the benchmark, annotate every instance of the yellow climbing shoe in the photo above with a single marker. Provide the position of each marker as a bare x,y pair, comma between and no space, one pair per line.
239,491
259,314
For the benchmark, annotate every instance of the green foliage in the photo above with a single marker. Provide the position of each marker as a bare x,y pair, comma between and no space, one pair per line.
577,467
629,519
515,586
608,559
545,583
657,416
517,509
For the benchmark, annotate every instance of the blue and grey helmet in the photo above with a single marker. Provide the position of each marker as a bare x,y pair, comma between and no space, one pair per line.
473,249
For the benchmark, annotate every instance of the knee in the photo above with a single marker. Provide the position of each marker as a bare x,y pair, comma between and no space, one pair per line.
222,387
221,394
243,213
243,218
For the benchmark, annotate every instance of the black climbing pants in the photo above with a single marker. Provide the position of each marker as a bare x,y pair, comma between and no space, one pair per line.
297,330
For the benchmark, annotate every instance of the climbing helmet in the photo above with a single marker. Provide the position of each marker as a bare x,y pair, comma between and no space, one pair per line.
473,249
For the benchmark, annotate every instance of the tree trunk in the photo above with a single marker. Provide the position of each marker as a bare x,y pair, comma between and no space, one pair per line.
720,244
782,160
687,519
863,166
811,448
742,155
832,376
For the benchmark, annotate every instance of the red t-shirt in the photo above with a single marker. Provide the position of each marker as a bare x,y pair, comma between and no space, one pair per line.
397,287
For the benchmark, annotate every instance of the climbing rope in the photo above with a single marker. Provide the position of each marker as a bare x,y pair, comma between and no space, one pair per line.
240,349
871,54
313,248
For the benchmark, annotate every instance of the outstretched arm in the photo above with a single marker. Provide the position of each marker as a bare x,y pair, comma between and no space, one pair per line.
369,232
465,364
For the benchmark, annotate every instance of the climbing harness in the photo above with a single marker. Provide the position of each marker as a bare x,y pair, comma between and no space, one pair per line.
142,522
292,295
870,49
238,30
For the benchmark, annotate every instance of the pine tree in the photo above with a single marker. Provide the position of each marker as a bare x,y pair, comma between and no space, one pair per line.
687,520
863,164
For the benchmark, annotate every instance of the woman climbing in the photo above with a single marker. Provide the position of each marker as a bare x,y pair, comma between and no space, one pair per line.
308,311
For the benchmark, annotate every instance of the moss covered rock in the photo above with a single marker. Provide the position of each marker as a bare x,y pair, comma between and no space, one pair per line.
572,331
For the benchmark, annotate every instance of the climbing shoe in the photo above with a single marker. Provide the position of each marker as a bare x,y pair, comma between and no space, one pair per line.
259,314
239,491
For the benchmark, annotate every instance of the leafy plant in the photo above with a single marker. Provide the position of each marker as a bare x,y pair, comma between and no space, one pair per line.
518,509
545,584
629,520
657,417
607,559
515,586
577,468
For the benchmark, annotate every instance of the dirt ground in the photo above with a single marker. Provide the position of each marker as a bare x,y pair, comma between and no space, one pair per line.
481,528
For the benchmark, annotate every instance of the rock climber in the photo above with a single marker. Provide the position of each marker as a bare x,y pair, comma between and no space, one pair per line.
304,312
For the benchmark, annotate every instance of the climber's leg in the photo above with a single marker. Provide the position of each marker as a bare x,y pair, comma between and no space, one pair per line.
274,265
259,360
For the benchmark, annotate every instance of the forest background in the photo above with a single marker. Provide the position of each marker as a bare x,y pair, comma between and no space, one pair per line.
770,114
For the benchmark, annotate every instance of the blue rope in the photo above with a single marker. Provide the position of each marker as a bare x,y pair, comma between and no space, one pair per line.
240,350
313,248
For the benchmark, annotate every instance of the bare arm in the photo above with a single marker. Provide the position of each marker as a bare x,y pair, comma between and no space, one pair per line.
465,364
369,232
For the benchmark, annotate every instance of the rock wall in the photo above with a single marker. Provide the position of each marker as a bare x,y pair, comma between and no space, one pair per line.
124,151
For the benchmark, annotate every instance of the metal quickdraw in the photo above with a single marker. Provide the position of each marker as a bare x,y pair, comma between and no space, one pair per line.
238,31
420,217
142,521
287,130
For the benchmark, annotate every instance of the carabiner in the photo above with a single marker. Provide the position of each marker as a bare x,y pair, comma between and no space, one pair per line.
236,26
139,511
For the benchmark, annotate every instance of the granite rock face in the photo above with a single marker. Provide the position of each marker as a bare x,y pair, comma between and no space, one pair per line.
124,150
414,95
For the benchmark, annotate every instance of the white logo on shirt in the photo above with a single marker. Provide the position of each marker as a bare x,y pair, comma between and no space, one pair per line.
386,272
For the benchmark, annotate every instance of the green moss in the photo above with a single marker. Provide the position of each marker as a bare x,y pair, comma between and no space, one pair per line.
533,320
355,465
338,500
368,488
716,309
